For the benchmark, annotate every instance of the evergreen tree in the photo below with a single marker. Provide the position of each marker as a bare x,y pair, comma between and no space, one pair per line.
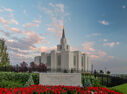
4,58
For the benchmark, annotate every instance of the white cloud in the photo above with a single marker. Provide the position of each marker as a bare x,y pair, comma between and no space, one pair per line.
19,48
1,10
112,57
93,35
3,21
37,21
94,53
24,11
14,21
117,43
101,53
33,37
57,16
34,23
8,9
123,6
104,22
43,49
24,48
61,6
16,30
88,46
105,40
11,21
94,56
111,44
10,40
30,25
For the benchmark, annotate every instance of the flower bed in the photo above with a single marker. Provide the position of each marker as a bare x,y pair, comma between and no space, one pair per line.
40,89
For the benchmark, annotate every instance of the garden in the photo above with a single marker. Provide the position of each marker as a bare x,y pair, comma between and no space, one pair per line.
28,83
40,89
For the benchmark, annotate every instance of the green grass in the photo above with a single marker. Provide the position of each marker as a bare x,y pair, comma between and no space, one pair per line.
121,88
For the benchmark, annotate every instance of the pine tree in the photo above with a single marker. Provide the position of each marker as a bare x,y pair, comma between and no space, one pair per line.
4,58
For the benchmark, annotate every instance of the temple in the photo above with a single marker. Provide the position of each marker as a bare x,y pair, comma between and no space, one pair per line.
63,59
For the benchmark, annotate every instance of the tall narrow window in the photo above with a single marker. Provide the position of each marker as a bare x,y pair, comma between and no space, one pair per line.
82,60
40,60
59,60
48,60
60,47
74,60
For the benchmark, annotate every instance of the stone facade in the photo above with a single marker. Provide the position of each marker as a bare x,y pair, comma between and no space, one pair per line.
63,59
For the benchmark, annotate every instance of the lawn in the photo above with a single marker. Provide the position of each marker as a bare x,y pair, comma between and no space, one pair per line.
121,88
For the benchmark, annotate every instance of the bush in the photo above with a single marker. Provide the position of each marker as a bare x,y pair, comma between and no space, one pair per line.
92,80
10,84
96,82
35,78
21,77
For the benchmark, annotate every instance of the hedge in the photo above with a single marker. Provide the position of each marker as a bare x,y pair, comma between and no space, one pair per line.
20,77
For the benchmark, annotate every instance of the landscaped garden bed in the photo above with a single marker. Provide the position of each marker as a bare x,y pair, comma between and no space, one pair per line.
16,79
16,83
40,89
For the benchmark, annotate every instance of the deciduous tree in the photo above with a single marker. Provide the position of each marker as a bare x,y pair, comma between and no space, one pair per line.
4,58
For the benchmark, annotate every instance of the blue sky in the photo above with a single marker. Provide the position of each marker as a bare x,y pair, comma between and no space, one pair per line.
98,28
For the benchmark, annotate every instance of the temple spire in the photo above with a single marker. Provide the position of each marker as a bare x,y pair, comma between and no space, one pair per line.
63,35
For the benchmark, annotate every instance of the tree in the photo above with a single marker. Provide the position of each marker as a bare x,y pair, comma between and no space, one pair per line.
108,73
4,58
95,73
16,68
101,72
33,66
23,66
42,67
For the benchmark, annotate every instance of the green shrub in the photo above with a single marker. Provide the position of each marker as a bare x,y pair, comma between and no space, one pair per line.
21,77
29,82
10,84
92,80
35,78
96,82
87,83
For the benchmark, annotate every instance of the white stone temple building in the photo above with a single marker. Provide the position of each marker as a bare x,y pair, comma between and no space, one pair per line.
64,59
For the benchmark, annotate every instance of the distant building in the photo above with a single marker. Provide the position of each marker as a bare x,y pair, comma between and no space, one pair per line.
64,59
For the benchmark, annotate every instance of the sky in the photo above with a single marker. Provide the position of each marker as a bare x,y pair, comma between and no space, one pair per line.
96,27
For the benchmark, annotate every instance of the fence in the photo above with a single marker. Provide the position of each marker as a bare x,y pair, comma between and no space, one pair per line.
110,81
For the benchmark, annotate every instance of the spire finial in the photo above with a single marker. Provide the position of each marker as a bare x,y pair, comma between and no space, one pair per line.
63,35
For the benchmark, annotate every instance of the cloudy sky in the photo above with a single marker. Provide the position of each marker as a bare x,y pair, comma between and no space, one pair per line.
98,28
